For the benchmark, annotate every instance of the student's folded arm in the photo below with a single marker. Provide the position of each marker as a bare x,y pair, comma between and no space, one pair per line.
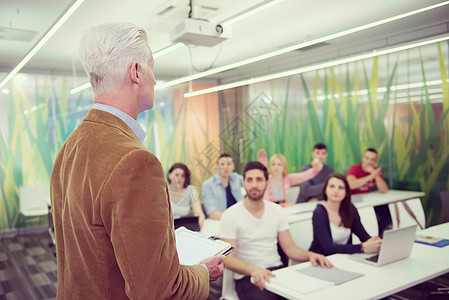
215,215
355,183
381,185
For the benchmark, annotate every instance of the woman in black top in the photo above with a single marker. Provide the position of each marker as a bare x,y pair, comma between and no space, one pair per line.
335,220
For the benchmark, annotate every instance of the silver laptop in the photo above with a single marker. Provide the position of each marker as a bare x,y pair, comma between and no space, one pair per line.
396,245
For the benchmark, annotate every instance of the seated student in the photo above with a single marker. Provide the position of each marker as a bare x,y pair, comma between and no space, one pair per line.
183,196
254,227
223,189
337,219
280,180
364,176
310,190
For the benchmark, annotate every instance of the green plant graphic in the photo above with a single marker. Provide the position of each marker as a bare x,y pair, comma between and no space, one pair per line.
349,107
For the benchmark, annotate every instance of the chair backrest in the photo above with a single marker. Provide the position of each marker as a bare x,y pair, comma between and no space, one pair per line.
34,200
408,213
444,196
369,222
189,222
292,194
228,287
302,234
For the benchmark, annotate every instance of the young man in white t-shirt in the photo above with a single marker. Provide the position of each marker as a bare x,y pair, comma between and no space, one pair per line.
254,227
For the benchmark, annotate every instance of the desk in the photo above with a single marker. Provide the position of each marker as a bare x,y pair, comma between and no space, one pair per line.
299,212
303,211
425,262
376,198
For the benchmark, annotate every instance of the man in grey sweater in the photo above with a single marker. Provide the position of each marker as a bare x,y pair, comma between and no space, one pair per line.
310,190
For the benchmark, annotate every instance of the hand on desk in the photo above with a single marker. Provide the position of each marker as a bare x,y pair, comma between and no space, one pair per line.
215,266
260,276
318,259
372,245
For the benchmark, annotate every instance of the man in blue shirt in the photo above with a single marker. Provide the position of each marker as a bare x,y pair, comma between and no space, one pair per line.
223,189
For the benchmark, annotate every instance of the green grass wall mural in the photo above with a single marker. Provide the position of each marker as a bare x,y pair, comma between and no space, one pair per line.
351,112
350,107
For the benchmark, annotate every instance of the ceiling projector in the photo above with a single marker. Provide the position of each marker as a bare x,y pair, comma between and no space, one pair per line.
200,32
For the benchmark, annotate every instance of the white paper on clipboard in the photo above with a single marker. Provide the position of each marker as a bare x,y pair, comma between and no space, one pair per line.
193,247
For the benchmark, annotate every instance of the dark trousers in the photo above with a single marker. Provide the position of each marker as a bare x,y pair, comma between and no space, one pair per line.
248,291
383,217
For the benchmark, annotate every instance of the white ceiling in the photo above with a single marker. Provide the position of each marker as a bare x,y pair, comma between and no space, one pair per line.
284,24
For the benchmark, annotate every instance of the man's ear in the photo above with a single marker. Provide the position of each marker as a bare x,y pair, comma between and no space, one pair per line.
134,72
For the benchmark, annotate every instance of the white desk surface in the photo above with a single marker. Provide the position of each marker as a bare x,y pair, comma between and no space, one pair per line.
425,262
301,211
376,198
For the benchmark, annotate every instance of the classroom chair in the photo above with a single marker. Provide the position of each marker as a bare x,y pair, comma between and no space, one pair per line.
228,291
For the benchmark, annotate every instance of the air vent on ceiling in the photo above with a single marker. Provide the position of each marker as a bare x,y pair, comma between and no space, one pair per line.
14,34
314,46
173,10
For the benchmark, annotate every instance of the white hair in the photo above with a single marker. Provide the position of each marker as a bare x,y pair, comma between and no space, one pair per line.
108,50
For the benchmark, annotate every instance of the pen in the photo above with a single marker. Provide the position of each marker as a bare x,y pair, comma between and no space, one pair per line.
228,251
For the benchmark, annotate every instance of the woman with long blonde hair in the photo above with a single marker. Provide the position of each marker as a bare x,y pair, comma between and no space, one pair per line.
280,180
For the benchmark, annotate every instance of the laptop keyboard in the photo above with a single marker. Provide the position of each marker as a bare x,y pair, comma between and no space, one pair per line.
373,258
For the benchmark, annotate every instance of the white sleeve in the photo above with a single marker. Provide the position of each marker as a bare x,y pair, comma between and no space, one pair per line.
228,226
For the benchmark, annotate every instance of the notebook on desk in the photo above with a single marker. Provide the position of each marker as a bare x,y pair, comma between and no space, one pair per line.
303,281
397,244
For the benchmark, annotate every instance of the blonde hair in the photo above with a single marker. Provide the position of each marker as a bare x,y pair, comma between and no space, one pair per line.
283,162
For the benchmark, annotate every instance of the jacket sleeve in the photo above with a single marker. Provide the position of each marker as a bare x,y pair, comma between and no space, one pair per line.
323,236
357,226
136,214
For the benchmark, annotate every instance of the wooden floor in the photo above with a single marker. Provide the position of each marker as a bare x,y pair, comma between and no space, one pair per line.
28,272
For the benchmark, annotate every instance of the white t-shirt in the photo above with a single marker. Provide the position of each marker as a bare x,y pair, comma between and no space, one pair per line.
256,238
340,234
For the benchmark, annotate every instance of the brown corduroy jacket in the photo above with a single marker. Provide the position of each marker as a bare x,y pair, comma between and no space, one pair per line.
113,222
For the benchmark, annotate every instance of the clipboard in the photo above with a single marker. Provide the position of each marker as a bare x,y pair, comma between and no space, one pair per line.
193,246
